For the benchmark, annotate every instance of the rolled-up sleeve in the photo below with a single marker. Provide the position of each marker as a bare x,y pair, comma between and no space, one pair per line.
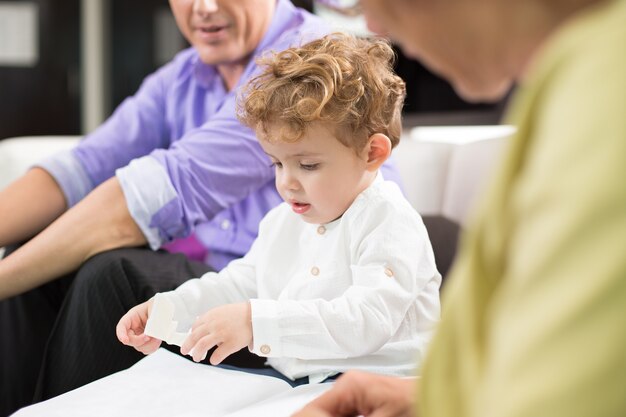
147,189
69,173
208,170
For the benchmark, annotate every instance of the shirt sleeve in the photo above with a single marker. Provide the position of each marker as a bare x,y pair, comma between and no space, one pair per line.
533,323
68,172
233,284
394,265
135,129
147,188
208,170
557,344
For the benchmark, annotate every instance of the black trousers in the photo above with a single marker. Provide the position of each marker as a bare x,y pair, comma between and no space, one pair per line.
62,335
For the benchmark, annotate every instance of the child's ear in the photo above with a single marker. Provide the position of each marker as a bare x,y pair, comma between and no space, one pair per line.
378,149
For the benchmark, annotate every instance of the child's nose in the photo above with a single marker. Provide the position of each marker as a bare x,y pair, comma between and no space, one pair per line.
289,182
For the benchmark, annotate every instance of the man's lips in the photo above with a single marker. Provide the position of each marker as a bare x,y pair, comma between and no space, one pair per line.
210,28
210,31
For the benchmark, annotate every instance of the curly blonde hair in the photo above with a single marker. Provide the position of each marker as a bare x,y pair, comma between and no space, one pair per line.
342,81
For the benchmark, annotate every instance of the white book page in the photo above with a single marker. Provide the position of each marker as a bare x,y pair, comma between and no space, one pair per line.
285,403
162,384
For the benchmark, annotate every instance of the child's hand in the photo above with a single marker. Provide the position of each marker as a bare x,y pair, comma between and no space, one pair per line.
228,327
130,329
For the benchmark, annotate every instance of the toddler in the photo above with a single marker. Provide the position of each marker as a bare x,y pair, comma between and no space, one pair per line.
342,274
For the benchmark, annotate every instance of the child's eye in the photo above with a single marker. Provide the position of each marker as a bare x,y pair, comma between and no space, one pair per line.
276,165
309,167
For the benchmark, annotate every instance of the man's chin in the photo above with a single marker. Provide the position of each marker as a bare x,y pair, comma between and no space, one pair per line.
473,89
484,92
217,54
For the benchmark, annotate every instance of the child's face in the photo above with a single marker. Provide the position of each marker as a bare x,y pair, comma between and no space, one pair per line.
318,176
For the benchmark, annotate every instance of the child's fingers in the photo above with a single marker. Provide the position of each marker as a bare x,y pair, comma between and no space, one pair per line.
222,352
122,329
131,325
120,332
137,339
202,346
199,330
150,346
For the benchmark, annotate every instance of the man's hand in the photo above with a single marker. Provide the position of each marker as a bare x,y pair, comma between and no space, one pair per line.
359,393
228,327
131,326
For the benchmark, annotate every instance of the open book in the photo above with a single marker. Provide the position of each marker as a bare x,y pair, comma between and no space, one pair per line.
165,384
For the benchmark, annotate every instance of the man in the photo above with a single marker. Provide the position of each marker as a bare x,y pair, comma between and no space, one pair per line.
171,160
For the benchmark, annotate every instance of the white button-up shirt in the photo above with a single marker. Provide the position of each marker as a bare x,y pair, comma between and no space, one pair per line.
361,292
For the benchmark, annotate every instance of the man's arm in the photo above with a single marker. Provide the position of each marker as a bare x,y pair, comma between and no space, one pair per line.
28,205
98,223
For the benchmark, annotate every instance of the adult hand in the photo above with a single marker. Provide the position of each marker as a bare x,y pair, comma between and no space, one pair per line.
359,393
130,328
228,327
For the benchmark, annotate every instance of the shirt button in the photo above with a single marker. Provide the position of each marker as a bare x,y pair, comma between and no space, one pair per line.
315,271
265,349
321,230
225,224
388,272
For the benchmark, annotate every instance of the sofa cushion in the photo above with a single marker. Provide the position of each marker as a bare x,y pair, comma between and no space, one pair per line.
444,235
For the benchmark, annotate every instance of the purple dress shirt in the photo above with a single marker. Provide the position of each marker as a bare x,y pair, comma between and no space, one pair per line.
184,161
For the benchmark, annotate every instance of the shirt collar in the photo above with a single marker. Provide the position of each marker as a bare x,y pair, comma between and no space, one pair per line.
203,73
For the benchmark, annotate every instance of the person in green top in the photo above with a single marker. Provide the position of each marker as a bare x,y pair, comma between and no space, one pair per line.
534,313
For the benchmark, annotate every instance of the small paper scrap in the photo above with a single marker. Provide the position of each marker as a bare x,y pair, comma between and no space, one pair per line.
161,324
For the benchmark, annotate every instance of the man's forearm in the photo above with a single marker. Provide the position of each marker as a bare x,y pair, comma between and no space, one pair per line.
28,205
98,223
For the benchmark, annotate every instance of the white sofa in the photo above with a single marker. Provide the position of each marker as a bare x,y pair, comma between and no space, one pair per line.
443,169
18,154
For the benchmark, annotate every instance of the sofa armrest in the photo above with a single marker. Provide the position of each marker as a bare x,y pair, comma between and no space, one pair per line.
444,170
18,154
